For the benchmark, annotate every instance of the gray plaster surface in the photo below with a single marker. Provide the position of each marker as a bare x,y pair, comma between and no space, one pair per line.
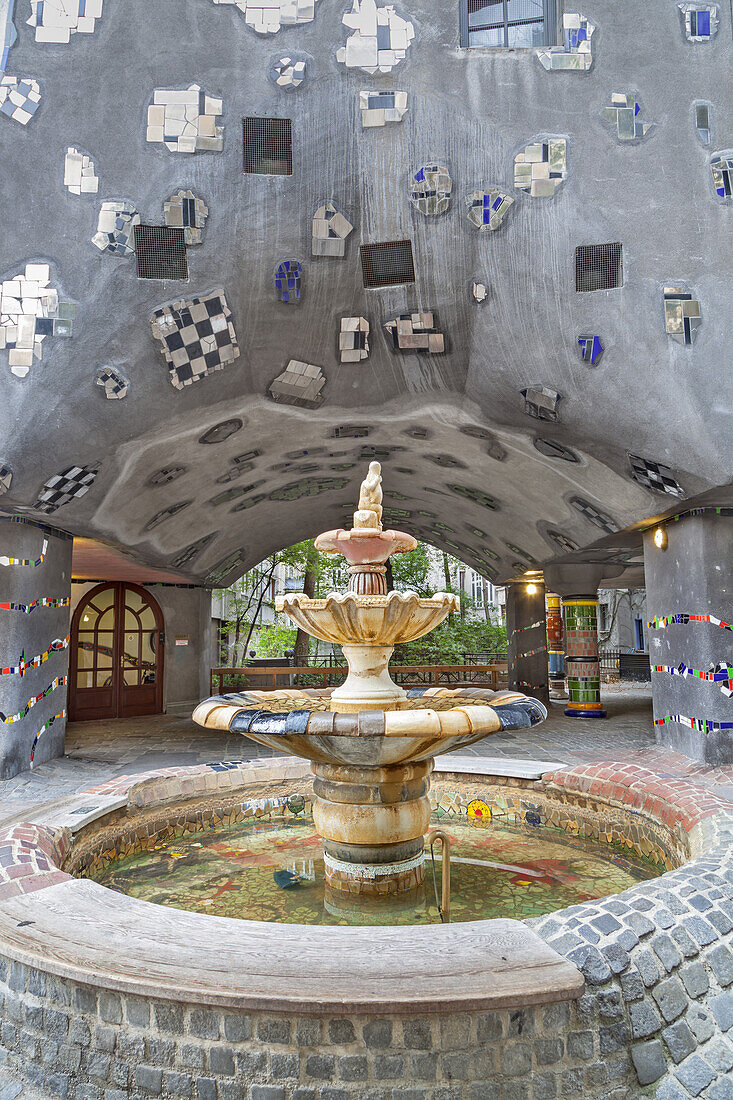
472,111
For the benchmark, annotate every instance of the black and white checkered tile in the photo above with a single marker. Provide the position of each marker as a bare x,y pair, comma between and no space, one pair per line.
197,337
62,488
653,475
598,519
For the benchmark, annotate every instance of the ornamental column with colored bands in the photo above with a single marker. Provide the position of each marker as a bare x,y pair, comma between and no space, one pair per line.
582,665
555,652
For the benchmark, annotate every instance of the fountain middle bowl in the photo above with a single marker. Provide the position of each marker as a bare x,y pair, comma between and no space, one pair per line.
350,619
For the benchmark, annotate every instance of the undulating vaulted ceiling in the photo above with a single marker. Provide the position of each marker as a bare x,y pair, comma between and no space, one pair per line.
512,440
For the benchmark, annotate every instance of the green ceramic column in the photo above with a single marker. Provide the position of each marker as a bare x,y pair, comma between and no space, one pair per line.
582,665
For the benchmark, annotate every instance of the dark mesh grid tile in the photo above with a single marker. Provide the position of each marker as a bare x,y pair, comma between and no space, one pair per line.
387,264
598,266
268,146
161,252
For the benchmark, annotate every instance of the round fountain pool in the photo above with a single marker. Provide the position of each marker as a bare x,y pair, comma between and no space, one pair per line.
273,871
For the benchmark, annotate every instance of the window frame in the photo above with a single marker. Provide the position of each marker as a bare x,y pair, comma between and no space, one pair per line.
551,11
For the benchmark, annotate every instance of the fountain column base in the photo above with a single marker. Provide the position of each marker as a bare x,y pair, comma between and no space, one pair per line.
373,821
368,685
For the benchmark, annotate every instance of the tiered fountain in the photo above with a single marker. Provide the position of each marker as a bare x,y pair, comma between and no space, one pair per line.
370,742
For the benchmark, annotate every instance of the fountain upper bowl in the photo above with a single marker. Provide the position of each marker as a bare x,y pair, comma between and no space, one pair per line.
350,619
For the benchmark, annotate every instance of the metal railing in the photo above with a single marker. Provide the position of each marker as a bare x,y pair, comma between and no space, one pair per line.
493,675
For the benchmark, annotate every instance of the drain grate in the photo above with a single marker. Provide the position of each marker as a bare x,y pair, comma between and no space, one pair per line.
598,266
387,264
160,252
268,146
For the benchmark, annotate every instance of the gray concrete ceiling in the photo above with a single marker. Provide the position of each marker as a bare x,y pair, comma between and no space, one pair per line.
472,112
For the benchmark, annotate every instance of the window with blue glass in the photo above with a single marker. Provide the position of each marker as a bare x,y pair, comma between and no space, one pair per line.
520,24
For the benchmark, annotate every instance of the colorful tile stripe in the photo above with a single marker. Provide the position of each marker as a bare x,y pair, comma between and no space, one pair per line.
683,619
529,653
35,662
581,658
44,601
555,652
5,560
722,674
705,725
42,730
7,720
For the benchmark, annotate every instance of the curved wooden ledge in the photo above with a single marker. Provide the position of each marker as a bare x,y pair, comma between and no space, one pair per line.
87,933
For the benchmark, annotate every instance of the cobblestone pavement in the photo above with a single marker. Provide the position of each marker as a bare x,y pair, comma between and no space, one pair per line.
97,751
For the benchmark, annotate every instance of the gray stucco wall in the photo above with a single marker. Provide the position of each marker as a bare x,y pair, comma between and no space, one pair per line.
31,634
693,577
471,110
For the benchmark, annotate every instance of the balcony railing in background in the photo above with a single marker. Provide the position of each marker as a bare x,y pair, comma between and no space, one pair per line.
622,664
493,675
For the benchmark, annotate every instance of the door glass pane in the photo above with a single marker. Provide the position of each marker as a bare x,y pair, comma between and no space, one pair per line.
103,677
492,36
148,655
84,680
138,613
131,677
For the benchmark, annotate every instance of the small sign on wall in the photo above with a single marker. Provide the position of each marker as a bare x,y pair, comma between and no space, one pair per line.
182,639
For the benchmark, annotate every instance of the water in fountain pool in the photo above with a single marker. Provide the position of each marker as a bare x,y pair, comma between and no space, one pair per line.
273,871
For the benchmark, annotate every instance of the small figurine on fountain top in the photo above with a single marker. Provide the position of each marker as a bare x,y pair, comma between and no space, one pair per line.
369,512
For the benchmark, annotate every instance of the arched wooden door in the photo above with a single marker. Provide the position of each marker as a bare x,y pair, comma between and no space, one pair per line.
116,668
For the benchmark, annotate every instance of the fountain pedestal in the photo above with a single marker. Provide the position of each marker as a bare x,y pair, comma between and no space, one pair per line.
372,821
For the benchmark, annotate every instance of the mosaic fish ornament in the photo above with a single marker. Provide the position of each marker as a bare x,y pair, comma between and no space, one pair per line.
29,562
681,618
46,726
43,601
60,681
721,674
23,665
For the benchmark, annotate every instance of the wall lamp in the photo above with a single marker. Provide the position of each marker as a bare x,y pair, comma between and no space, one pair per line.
531,589
660,538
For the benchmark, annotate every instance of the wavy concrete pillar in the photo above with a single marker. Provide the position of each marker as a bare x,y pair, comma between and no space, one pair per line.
526,633
690,607
35,589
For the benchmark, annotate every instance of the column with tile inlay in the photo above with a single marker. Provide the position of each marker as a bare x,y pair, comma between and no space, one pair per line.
555,651
582,663
526,633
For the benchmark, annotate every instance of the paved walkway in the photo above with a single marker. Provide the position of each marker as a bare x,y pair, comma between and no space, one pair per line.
97,751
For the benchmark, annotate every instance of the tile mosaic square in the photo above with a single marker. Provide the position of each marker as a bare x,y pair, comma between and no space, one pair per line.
115,228
115,385
8,33
30,311
197,337
79,174
268,16
681,315
353,339
721,166
703,122
57,20
699,21
479,291
329,231
541,402
299,384
541,167
19,98
61,489
185,121
654,475
576,51
430,188
591,349
622,117
6,477
288,73
416,332
379,108
288,281
185,210
596,517
380,38
488,209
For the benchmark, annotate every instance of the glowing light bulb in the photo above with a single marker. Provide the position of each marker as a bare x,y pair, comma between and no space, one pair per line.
660,538
531,589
